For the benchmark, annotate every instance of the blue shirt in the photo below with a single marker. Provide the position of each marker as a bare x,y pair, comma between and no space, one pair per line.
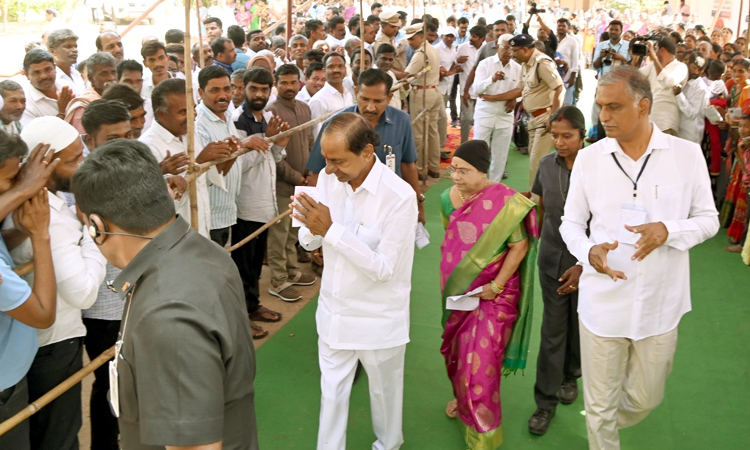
394,128
621,48
226,66
18,341
241,61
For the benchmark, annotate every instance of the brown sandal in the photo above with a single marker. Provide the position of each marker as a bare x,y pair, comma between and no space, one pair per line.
258,331
264,314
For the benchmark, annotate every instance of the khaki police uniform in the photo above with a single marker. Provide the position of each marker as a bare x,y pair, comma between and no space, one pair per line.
425,94
539,79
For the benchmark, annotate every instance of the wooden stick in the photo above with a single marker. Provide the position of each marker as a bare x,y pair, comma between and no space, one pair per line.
140,18
257,232
24,268
57,391
409,78
419,116
289,23
201,56
200,169
425,150
361,37
718,15
192,187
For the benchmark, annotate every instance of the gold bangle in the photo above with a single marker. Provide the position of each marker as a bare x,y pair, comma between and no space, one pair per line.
496,288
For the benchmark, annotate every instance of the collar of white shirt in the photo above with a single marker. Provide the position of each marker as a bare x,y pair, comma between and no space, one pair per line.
56,201
164,134
372,181
658,140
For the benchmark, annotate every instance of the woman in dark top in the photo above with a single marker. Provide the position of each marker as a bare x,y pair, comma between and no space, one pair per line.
559,363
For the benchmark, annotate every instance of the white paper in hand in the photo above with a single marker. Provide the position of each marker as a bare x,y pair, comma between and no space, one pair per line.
422,237
312,192
467,302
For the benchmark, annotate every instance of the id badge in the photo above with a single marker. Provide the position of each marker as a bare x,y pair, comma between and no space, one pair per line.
114,391
390,161
631,215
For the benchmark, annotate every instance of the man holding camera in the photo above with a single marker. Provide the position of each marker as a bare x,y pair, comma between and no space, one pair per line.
664,72
613,52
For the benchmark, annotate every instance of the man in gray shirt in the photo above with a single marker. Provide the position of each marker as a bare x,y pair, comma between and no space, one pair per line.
184,359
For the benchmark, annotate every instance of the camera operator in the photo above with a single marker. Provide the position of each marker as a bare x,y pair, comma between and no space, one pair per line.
544,33
613,52
664,72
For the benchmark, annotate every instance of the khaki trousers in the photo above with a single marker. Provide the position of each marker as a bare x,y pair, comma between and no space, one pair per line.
431,99
623,381
540,143
281,251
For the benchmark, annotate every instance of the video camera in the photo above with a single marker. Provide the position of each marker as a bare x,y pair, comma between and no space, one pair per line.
535,10
638,44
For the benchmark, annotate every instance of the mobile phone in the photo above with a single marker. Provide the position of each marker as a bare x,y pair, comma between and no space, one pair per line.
735,113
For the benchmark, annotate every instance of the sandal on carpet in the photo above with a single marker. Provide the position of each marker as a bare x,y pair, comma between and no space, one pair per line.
264,314
302,279
258,331
451,409
285,292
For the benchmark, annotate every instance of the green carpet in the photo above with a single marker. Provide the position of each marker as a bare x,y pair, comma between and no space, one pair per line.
706,400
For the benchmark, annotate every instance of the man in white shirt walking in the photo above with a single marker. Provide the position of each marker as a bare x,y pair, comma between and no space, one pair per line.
664,72
448,71
692,99
648,198
495,83
466,56
79,271
63,46
363,309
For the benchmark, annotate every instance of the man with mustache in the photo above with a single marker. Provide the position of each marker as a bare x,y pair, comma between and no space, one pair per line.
350,82
208,57
315,76
155,58
102,74
79,271
110,42
282,253
14,104
256,41
224,53
256,201
63,46
332,97
45,95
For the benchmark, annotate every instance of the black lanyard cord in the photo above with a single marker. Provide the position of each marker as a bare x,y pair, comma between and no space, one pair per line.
635,183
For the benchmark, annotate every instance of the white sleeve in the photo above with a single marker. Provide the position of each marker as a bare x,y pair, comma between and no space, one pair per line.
80,269
693,107
482,76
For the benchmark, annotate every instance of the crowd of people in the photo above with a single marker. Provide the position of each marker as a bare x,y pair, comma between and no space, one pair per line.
94,189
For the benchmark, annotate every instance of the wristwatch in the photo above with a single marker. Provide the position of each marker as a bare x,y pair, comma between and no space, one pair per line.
421,198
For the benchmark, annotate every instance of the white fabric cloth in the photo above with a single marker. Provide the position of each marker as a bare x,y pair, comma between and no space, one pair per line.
385,376
674,189
493,114
257,199
498,138
38,104
570,50
349,86
623,381
692,101
335,43
326,100
79,270
161,141
664,112
303,95
447,59
364,294
75,80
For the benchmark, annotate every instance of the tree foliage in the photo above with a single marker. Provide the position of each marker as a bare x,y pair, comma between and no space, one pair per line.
17,8
636,5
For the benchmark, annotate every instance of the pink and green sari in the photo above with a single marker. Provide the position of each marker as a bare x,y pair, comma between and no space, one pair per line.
480,346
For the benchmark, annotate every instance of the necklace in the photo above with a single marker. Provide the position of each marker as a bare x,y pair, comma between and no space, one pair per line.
463,199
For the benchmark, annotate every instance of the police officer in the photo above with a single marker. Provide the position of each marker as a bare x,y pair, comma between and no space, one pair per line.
542,90
425,96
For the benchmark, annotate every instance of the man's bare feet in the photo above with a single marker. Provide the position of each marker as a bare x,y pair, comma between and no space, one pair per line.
737,248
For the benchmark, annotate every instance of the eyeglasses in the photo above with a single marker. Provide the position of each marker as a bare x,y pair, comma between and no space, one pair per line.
460,172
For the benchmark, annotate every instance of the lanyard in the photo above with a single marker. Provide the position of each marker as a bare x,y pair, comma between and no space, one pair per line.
635,183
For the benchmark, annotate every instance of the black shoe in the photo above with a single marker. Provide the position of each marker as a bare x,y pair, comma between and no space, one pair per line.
444,156
539,421
569,391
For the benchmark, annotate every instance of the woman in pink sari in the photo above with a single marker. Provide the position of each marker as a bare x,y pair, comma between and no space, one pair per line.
490,244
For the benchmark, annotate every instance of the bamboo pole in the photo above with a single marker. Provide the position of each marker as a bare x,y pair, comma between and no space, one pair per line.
739,20
361,37
143,16
409,78
419,116
746,50
24,268
57,391
425,152
201,56
200,169
718,14
289,7
192,188
257,232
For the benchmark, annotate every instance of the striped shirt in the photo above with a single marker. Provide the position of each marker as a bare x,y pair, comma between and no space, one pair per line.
108,305
211,128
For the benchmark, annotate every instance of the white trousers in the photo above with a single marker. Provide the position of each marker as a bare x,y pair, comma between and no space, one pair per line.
385,374
623,381
499,141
